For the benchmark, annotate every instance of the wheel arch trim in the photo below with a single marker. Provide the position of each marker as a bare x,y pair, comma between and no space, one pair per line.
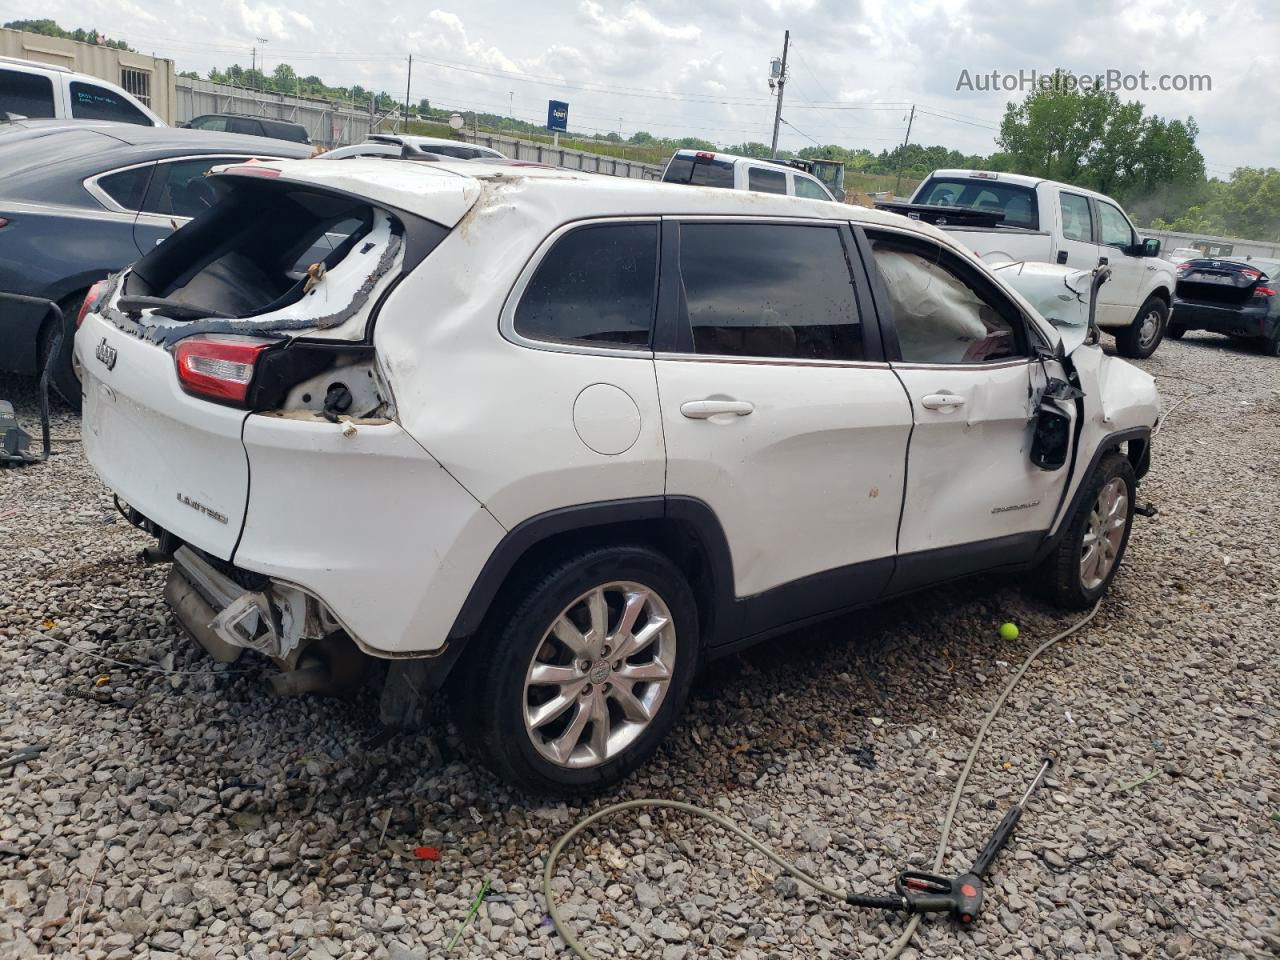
691,512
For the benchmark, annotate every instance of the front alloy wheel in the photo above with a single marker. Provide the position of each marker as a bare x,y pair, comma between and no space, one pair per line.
1104,533
600,674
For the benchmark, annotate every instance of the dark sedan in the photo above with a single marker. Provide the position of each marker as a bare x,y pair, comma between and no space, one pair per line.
1238,298
80,200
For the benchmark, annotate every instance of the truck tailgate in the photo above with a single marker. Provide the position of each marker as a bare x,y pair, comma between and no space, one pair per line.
176,459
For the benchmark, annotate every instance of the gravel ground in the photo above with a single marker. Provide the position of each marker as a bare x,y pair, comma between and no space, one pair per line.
194,814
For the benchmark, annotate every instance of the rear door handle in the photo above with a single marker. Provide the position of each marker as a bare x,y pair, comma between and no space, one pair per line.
702,409
942,401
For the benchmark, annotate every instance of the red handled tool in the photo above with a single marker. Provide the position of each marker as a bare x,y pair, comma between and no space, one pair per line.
962,896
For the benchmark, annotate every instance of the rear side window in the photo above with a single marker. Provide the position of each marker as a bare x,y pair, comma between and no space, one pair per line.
769,290
26,94
92,102
766,181
596,286
1016,202
246,126
1077,223
699,171
127,187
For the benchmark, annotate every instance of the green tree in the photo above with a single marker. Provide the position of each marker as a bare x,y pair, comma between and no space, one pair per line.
642,138
50,28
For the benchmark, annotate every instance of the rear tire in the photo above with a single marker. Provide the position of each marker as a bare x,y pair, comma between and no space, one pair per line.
553,704
1270,346
1140,339
1088,554
1176,330
64,377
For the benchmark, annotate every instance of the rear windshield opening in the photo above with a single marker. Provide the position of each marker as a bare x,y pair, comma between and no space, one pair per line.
700,172
250,253
1017,203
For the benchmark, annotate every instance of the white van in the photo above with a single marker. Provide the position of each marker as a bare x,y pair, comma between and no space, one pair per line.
32,89
702,168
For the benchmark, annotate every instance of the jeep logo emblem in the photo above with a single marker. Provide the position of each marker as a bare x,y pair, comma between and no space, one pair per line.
105,353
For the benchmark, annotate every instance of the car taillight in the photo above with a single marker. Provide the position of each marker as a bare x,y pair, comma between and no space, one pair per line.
1263,292
703,155
218,367
3,222
90,301
1252,274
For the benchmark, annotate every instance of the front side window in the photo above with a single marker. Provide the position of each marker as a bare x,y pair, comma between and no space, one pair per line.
179,188
1016,202
810,190
1077,223
1116,231
939,315
769,290
596,286
92,102
766,181
25,94
210,123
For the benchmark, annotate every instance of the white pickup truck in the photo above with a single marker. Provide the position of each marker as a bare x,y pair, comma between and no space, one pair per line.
1006,217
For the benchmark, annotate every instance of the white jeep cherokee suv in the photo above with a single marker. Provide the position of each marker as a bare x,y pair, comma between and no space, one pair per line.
547,440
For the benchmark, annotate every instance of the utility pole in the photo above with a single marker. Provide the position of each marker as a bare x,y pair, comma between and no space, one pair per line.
905,140
264,61
407,84
782,80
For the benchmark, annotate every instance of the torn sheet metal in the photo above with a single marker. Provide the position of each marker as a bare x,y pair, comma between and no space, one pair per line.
1060,294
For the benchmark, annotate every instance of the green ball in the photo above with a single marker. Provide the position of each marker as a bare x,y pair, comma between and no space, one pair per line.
1009,631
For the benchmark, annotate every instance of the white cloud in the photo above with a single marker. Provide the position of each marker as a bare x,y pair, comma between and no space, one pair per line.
635,24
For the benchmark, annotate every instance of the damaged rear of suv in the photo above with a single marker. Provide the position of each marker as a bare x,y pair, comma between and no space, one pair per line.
236,355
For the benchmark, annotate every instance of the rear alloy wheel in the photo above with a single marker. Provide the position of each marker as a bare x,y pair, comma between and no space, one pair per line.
1089,551
576,684
1140,339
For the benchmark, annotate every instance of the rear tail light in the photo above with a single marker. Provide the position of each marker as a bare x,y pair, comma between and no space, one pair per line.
3,222
218,367
90,301
704,155
1263,292
1252,274
1182,268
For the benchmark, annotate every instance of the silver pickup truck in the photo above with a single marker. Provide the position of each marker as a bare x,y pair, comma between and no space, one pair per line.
1006,217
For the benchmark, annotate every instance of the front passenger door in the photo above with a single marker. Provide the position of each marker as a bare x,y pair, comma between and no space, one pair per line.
973,498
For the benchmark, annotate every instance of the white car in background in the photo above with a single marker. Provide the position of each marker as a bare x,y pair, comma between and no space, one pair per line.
703,168
548,441
394,145
1036,220
36,90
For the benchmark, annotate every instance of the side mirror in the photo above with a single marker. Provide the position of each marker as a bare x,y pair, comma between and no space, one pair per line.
1147,248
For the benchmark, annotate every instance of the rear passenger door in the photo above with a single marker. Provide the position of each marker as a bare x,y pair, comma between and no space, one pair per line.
779,411
1078,247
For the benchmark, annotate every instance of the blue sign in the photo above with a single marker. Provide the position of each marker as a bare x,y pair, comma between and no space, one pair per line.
557,115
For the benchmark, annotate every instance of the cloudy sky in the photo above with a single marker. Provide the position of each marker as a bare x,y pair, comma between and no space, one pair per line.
677,68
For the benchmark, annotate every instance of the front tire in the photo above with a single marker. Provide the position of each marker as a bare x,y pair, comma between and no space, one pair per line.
1089,553
1140,339
576,684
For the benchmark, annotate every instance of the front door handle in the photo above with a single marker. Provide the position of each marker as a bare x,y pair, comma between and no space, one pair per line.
703,409
942,401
